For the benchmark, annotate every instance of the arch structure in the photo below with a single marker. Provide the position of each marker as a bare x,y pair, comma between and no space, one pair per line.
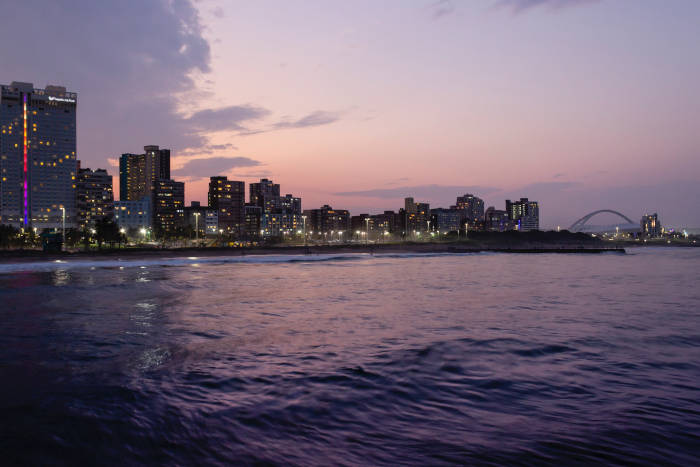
578,225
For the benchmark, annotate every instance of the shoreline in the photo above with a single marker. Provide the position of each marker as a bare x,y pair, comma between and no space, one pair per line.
14,256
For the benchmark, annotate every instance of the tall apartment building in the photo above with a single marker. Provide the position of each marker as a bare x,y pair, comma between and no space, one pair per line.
95,198
524,214
139,172
289,204
227,197
327,219
38,165
471,207
415,216
265,194
168,207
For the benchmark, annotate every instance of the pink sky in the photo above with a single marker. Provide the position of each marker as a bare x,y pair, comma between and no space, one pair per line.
580,104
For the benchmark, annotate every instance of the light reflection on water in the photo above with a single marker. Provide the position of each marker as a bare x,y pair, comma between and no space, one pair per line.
548,359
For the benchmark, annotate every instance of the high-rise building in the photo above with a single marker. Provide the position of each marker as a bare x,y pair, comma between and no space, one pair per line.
168,207
38,165
265,194
95,199
139,172
289,204
471,207
524,214
252,220
416,216
650,225
227,197
327,219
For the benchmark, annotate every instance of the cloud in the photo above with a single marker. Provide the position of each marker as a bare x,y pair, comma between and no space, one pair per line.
213,166
317,118
419,192
442,8
226,118
519,6
132,63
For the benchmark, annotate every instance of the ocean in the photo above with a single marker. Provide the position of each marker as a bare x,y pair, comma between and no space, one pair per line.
353,359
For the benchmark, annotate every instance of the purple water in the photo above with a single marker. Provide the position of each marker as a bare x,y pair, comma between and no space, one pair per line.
353,359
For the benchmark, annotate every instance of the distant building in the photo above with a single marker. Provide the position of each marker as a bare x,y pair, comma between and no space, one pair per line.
290,204
133,215
650,226
471,208
196,217
280,224
524,214
326,219
95,199
139,172
446,220
212,222
38,165
168,207
252,219
496,220
227,197
415,216
265,194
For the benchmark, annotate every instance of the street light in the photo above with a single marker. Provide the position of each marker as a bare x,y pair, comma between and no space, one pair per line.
367,230
196,226
64,226
304,219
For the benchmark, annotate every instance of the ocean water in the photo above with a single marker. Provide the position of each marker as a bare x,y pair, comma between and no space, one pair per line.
487,359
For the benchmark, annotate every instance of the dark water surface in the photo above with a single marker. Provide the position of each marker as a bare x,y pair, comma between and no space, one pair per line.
351,359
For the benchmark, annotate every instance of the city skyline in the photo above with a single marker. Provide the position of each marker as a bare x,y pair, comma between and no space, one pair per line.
579,105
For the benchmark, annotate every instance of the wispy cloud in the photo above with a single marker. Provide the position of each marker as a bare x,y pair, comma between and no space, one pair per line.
441,8
519,6
211,166
420,192
317,118
225,118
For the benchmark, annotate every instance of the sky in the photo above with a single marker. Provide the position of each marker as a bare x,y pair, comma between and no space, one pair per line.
579,104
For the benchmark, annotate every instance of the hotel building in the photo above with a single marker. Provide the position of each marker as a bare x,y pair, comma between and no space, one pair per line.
38,165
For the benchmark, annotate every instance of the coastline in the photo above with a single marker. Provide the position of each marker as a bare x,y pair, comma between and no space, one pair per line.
14,256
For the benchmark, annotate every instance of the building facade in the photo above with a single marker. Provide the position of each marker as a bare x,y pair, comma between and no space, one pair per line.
471,208
650,226
326,219
524,214
265,194
446,220
139,172
38,164
227,197
95,198
133,216
168,207
496,220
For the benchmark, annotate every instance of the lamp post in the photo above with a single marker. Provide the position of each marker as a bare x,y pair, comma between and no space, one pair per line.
466,230
63,221
428,230
303,218
196,227
367,230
